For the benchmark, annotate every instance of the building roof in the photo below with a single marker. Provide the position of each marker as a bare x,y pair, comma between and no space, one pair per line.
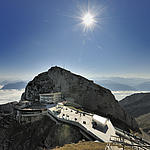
100,119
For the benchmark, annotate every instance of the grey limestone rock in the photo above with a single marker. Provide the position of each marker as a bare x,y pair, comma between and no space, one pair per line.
92,97
42,134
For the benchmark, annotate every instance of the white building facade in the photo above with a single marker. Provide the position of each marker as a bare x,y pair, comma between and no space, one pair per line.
50,97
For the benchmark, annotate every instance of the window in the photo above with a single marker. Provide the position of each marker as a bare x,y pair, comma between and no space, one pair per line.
84,122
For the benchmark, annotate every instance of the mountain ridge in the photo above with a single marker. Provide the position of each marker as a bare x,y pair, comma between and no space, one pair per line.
14,85
138,105
119,86
75,88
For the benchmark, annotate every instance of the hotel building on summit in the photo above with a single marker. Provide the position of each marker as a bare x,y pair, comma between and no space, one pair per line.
50,97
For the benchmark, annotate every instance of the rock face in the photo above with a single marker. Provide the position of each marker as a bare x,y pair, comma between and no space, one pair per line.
7,108
35,136
137,104
82,91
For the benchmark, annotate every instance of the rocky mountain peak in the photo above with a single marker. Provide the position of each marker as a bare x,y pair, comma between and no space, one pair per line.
77,89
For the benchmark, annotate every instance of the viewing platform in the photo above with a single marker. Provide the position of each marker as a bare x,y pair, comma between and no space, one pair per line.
84,121
91,126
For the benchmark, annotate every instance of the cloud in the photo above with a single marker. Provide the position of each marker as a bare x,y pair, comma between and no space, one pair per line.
10,95
119,95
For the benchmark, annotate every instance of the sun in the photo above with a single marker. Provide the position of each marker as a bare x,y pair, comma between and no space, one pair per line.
88,19
89,16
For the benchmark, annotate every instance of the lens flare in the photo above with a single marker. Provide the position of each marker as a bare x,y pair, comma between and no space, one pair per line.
88,19
89,16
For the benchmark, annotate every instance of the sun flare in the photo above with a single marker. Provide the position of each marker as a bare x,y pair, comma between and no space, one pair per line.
88,19
89,16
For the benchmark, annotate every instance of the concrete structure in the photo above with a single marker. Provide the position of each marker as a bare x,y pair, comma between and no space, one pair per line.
100,123
29,115
30,112
50,97
92,126
83,121
100,120
24,104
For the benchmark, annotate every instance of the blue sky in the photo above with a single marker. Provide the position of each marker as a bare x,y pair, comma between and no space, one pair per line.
38,34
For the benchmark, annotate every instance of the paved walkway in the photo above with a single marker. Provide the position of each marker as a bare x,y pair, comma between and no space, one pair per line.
85,120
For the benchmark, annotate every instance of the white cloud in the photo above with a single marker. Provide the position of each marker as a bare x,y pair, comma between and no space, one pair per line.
10,95
119,95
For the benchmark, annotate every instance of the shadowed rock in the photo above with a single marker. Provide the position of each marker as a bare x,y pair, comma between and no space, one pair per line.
75,88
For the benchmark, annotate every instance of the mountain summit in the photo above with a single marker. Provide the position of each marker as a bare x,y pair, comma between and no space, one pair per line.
77,89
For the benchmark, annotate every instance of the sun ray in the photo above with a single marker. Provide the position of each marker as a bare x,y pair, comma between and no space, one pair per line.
88,17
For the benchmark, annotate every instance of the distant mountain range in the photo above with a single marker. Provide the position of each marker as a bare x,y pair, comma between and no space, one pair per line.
144,86
121,80
119,86
15,85
114,86
4,82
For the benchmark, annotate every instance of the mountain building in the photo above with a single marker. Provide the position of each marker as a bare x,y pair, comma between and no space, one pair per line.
50,97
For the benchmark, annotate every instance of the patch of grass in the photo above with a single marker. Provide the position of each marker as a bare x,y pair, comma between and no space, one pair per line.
83,146
77,109
88,146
